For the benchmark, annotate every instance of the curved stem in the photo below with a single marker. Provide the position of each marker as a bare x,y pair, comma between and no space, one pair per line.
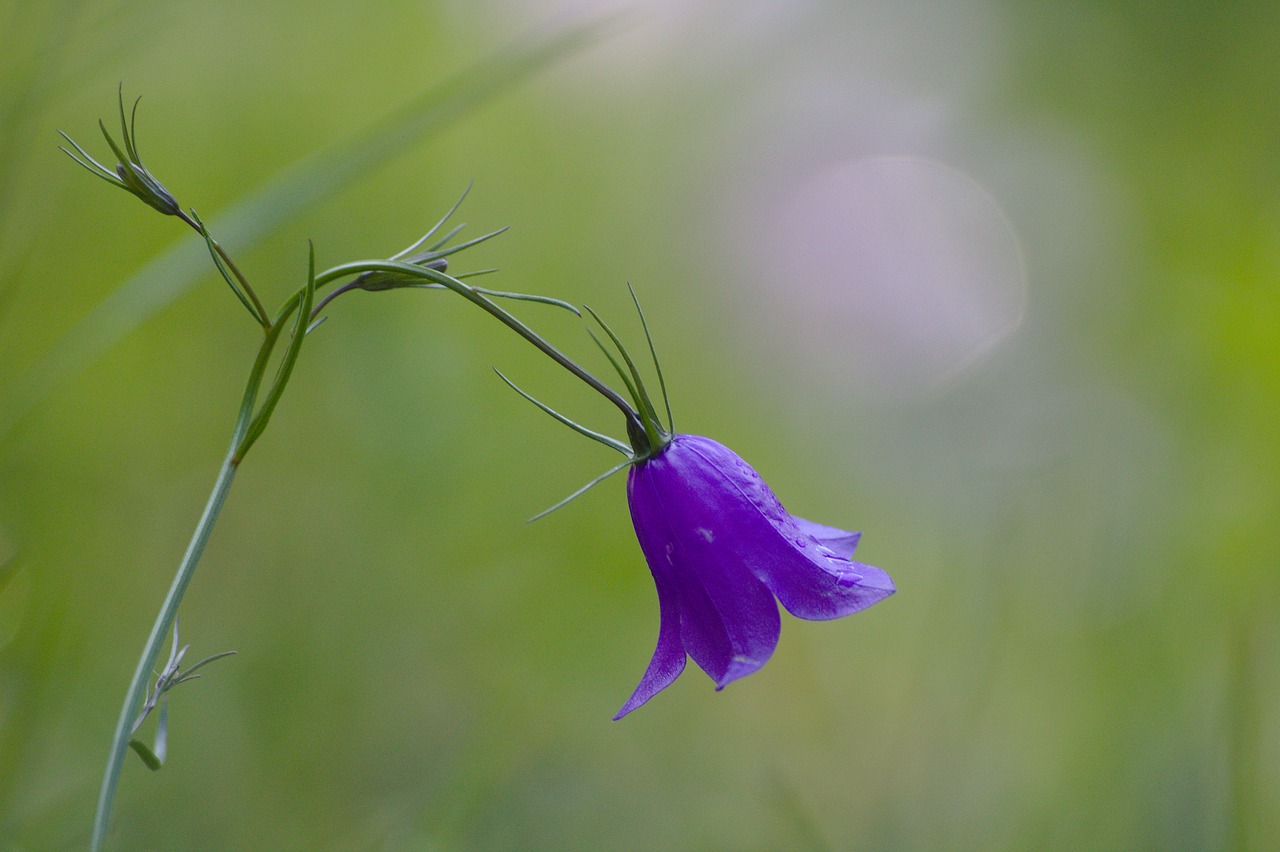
337,291
159,632
470,294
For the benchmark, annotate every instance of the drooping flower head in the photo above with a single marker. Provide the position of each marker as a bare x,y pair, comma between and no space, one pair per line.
722,550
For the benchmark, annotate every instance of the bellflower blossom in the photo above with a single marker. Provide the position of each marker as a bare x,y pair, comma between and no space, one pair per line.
722,550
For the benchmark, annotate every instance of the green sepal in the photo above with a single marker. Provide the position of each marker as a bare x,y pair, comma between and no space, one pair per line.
450,234
584,489
617,365
580,429
131,137
93,166
652,424
388,280
657,366
437,226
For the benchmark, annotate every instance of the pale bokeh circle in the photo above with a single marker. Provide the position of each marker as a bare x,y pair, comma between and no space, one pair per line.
889,274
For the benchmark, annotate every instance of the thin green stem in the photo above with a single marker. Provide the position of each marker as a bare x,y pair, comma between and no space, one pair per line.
259,311
247,428
159,632
478,299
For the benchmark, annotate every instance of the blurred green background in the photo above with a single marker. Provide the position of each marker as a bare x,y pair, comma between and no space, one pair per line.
997,283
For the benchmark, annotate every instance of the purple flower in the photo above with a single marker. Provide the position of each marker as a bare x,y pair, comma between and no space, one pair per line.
721,548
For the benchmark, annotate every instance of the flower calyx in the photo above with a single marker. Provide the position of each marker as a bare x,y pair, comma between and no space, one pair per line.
129,173
647,433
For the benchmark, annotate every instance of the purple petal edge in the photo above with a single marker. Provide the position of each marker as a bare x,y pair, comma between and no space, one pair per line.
843,543
667,664
793,558
669,656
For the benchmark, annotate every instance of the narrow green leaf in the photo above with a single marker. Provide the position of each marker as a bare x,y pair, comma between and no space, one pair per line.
500,294
306,296
249,401
521,297
209,659
222,266
475,273
148,756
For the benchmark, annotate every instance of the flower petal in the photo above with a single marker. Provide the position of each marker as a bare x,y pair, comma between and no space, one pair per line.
843,543
729,621
808,577
669,657
828,587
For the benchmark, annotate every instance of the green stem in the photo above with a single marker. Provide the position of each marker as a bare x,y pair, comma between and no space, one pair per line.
159,633
469,293
258,309
247,428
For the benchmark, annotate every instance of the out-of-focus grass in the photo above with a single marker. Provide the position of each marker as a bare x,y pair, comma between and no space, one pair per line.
1081,522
